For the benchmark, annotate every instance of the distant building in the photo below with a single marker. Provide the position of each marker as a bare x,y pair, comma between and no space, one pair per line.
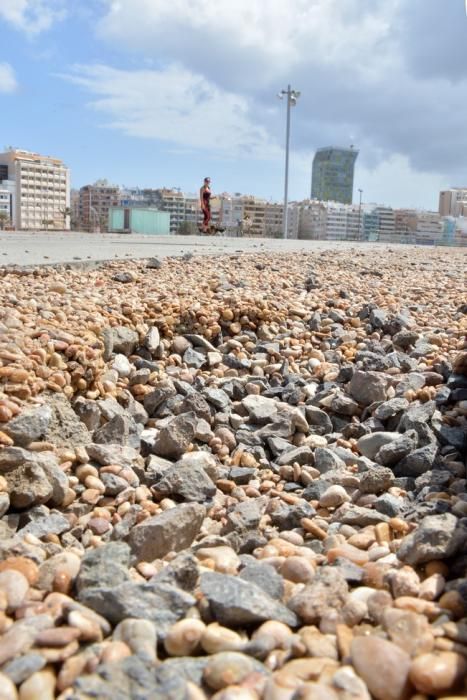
40,190
312,220
94,204
453,202
144,220
333,174
7,191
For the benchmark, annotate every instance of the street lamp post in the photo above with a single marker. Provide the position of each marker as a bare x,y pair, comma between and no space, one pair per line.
292,97
360,215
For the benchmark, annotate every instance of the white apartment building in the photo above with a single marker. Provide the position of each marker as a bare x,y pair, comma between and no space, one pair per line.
312,219
7,199
42,190
453,202
429,227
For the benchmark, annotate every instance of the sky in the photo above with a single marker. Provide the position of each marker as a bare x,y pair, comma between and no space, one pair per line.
154,93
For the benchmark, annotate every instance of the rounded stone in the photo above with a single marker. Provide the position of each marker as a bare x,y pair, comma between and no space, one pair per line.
15,586
25,566
383,666
438,673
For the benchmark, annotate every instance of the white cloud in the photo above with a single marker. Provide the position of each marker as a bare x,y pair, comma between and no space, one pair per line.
7,78
32,16
252,41
177,106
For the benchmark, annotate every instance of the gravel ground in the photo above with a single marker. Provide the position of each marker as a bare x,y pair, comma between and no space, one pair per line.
238,477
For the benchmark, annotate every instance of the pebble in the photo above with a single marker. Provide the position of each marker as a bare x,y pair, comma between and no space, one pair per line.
229,442
438,673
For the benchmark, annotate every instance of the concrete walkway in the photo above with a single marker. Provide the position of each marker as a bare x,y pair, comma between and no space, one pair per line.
42,248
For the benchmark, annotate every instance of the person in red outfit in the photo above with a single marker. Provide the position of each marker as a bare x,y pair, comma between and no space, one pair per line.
205,204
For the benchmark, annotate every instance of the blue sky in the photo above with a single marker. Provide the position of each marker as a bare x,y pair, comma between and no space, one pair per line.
152,93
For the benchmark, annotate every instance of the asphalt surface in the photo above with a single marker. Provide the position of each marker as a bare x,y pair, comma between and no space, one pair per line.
21,248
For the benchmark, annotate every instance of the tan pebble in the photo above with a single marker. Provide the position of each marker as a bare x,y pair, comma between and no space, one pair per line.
70,670
383,533
344,637
278,632
40,685
7,688
217,638
89,630
432,587
282,686
347,551
310,669
15,586
408,630
57,636
311,527
399,526
25,566
225,559
233,692
438,672
297,569
453,601
58,654
227,668
184,637
404,582
383,666
115,651
140,636
5,439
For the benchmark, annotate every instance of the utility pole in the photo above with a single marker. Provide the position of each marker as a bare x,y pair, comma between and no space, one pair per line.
292,97
360,215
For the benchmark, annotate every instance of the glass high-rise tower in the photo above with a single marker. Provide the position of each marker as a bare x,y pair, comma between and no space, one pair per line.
332,177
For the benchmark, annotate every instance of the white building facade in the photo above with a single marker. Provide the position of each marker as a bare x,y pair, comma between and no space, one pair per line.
41,187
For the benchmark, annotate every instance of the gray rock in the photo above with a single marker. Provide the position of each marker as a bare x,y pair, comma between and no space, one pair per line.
405,338
451,435
88,413
156,468
437,537
28,485
56,476
163,390
217,397
189,482
200,342
265,577
236,602
369,445
368,387
389,505
344,405
245,515
278,445
106,566
65,428
301,455
315,490
173,530
326,460
413,381
174,438
376,480
128,680
4,505
391,408
113,484
18,670
201,460
30,426
415,415
120,430
316,417
119,339
110,408
391,453
122,455
12,457
350,514
197,404
52,524
261,410
328,590
417,462
193,358
159,602
154,263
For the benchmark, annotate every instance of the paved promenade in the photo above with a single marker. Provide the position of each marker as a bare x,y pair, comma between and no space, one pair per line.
20,248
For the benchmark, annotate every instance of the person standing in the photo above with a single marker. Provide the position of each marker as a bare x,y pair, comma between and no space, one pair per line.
205,203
